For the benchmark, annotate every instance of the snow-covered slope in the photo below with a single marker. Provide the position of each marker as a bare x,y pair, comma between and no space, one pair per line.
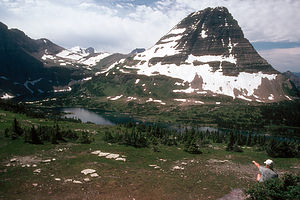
208,52
75,56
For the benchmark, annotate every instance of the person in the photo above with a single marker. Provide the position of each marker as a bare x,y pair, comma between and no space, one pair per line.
266,172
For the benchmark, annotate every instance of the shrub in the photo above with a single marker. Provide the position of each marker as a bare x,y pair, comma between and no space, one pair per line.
6,132
281,149
287,188
85,138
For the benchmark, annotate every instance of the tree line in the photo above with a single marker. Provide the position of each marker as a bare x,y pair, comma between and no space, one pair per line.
41,134
140,135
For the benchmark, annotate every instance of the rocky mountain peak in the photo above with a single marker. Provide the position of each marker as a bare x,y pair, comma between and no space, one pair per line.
208,50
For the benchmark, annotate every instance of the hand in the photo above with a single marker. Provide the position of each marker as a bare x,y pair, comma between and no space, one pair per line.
255,163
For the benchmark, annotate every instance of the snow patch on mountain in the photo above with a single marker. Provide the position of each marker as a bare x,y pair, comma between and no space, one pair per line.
76,55
91,61
155,101
176,31
214,81
7,96
115,98
211,58
68,89
204,34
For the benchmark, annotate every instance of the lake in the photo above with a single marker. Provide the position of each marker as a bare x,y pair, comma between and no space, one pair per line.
111,118
95,116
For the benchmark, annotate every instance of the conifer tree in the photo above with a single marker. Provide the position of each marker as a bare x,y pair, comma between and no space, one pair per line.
34,137
16,128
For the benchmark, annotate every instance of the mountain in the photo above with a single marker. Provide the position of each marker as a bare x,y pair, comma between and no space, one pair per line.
294,78
206,54
23,71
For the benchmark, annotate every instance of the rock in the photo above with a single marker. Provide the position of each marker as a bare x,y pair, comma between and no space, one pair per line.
155,166
88,171
121,159
178,168
96,152
77,182
112,156
34,184
102,154
8,165
86,179
37,171
57,179
34,165
53,159
46,161
94,175
13,160
68,180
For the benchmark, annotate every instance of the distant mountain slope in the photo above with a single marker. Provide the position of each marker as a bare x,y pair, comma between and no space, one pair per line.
206,54
22,72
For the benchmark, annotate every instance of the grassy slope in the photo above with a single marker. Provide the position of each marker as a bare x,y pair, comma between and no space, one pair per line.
202,177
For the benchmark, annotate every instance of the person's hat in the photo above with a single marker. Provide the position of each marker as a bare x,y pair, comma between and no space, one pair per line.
269,162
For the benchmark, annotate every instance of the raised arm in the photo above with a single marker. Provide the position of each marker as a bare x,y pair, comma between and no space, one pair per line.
256,164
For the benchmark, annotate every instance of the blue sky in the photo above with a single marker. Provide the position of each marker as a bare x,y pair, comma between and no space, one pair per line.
272,26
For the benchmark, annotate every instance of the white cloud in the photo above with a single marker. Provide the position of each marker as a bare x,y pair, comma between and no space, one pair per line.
283,59
123,26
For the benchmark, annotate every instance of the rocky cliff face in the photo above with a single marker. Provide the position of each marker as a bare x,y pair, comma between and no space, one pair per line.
207,50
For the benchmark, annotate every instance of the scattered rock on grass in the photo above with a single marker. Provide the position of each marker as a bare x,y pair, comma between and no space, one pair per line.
96,152
94,175
86,179
103,154
77,182
155,166
37,171
121,159
46,161
112,156
177,168
88,171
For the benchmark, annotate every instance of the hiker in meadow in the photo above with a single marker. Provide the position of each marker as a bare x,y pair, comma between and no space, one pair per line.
266,172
